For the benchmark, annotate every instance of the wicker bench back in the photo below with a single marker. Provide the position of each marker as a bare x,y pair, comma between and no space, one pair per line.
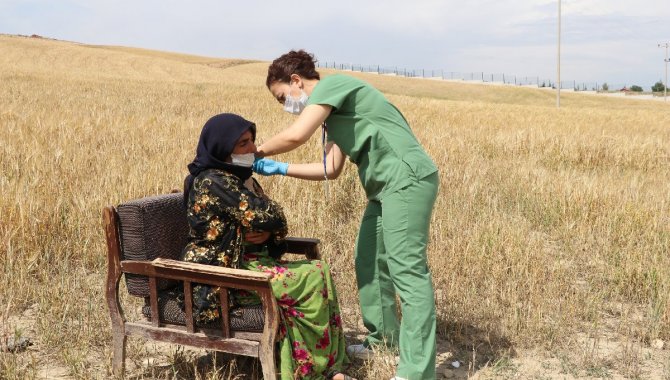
149,228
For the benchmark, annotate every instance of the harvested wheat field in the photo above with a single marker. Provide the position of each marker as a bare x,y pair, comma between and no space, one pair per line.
550,247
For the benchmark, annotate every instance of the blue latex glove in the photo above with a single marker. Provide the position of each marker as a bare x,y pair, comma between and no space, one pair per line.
266,166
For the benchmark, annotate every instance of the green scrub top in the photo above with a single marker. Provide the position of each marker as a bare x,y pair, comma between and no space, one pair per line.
373,133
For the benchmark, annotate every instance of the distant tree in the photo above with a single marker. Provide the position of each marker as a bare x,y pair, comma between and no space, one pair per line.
636,88
605,87
658,87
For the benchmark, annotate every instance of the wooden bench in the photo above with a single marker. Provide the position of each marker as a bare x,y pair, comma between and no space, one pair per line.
145,238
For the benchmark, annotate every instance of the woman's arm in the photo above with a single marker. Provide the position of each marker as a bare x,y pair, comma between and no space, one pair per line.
298,133
231,200
314,171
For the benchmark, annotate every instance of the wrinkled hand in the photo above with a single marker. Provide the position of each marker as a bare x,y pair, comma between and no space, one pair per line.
266,166
257,237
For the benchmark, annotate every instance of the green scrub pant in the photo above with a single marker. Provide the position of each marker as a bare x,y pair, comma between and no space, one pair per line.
390,259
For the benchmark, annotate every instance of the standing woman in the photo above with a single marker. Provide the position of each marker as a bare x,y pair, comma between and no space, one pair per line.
400,181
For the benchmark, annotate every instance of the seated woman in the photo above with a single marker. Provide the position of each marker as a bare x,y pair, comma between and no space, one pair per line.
234,224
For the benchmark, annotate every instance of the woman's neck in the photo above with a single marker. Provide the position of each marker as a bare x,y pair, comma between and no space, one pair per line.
308,85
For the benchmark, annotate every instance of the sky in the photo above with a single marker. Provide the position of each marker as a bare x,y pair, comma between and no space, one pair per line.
613,41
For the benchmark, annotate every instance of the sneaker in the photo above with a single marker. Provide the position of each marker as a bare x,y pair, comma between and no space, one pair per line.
359,351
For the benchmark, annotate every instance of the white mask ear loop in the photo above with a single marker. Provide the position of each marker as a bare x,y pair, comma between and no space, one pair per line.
324,129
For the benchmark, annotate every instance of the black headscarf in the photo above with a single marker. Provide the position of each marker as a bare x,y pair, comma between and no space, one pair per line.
217,141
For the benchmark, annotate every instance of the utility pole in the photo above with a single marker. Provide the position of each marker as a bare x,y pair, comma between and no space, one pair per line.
665,85
558,58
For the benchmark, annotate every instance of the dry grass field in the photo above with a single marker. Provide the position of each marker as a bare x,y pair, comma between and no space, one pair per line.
550,247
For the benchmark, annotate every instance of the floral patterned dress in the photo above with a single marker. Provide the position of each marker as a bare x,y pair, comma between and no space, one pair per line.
221,209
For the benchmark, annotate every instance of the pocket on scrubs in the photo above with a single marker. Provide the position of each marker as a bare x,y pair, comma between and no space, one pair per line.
419,163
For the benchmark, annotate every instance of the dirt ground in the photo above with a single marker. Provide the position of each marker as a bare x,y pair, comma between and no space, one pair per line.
610,356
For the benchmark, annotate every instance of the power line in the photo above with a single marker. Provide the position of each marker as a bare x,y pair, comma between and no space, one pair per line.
558,58
665,85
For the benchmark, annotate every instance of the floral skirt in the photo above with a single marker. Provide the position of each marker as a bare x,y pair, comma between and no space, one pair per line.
311,343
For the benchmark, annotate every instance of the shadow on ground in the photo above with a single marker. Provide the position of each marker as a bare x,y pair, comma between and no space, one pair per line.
463,349
213,365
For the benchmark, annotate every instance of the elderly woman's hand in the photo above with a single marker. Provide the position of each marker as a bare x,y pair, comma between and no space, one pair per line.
257,237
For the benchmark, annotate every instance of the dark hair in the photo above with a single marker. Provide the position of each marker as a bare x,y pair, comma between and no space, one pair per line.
294,62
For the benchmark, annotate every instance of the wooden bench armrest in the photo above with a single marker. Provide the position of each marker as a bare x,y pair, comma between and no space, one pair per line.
226,278
305,246
199,273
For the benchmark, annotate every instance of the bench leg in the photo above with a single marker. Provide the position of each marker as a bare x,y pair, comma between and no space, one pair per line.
267,358
119,354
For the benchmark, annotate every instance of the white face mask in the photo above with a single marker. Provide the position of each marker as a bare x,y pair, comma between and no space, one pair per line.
246,159
295,106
